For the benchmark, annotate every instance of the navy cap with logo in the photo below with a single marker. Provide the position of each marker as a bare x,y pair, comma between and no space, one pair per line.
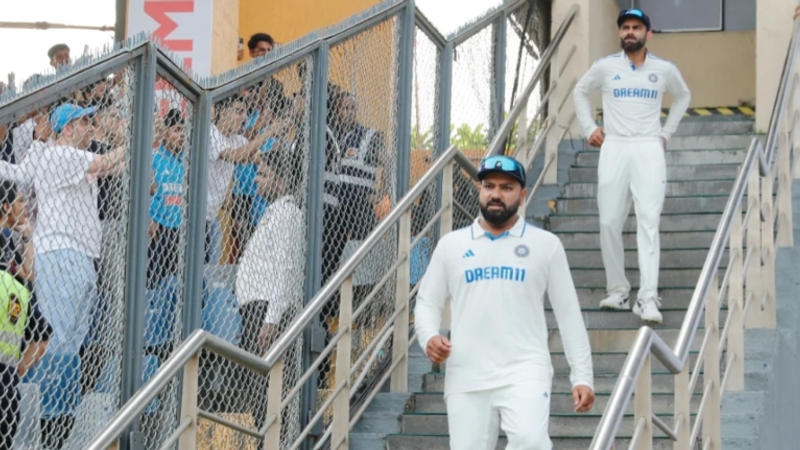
634,13
502,164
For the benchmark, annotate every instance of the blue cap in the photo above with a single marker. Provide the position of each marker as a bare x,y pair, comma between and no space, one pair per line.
502,164
634,13
67,112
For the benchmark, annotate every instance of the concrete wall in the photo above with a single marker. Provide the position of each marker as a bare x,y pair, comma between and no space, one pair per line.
721,74
224,35
773,30
286,21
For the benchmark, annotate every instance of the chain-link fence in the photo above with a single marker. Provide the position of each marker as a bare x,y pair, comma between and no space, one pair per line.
277,184
64,208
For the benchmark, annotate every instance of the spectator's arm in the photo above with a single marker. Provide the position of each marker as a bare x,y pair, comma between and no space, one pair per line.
14,173
111,163
26,269
33,353
246,152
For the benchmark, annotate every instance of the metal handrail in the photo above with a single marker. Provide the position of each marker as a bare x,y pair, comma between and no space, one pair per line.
497,142
648,340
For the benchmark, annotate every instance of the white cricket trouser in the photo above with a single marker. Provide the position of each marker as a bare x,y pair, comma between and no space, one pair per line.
522,410
631,169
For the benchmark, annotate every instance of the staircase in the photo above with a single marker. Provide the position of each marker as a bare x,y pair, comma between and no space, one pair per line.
702,161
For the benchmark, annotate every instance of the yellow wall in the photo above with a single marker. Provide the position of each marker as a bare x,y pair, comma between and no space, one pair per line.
722,74
287,21
224,35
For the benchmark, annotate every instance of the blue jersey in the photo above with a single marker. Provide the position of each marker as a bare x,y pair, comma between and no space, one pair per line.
165,205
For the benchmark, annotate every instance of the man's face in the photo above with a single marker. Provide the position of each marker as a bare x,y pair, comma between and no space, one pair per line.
633,35
261,49
60,58
499,197
232,117
268,182
175,137
79,131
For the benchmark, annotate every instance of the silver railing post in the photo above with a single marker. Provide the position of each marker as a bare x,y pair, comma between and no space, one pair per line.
341,404
753,283
188,439
643,404
446,223
784,198
735,344
682,409
399,380
711,376
272,438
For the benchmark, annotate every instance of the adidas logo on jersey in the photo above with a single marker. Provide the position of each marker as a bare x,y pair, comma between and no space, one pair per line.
469,254
616,77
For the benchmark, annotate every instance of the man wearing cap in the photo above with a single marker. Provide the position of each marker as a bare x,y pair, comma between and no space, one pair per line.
66,239
496,272
632,165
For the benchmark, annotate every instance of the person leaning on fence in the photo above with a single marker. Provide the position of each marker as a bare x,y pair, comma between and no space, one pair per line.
25,330
269,281
67,242
227,146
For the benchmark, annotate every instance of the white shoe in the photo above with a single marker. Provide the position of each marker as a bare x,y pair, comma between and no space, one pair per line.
647,309
615,300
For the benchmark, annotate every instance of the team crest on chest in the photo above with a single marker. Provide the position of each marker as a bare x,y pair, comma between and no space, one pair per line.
521,250
14,309
653,78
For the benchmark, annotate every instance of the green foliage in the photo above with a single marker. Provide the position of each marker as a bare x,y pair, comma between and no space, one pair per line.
423,141
466,137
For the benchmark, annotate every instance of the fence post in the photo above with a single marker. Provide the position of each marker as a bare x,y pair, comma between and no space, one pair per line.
446,223
405,76
784,198
735,344
272,438
188,439
313,336
643,404
138,221
498,77
753,283
399,379
682,404
711,376
341,404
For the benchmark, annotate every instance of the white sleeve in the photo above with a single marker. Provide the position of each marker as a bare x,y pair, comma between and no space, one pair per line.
680,101
433,291
567,310
591,80
287,286
215,143
14,173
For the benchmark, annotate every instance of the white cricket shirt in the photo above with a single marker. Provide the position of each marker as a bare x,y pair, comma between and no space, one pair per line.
632,96
497,287
220,171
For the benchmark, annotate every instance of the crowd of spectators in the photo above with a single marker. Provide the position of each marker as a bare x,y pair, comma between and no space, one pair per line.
63,215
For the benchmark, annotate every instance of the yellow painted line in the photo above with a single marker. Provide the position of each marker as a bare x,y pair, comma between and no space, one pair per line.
685,114
725,111
702,112
747,110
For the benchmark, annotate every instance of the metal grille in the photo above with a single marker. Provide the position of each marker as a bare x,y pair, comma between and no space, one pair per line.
360,177
255,272
168,210
64,190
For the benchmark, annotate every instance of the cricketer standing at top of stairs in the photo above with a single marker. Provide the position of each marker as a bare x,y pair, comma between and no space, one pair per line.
632,164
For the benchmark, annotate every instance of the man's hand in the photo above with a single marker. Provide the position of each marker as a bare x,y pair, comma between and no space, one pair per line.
582,398
597,137
664,141
438,349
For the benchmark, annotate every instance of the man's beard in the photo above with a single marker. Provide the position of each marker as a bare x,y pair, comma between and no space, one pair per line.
631,46
498,217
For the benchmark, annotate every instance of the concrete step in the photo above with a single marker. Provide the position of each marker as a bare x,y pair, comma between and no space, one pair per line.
441,442
669,222
714,125
560,403
703,141
620,340
672,204
662,382
674,173
669,239
666,277
596,318
674,187
670,258
678,157
671,298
